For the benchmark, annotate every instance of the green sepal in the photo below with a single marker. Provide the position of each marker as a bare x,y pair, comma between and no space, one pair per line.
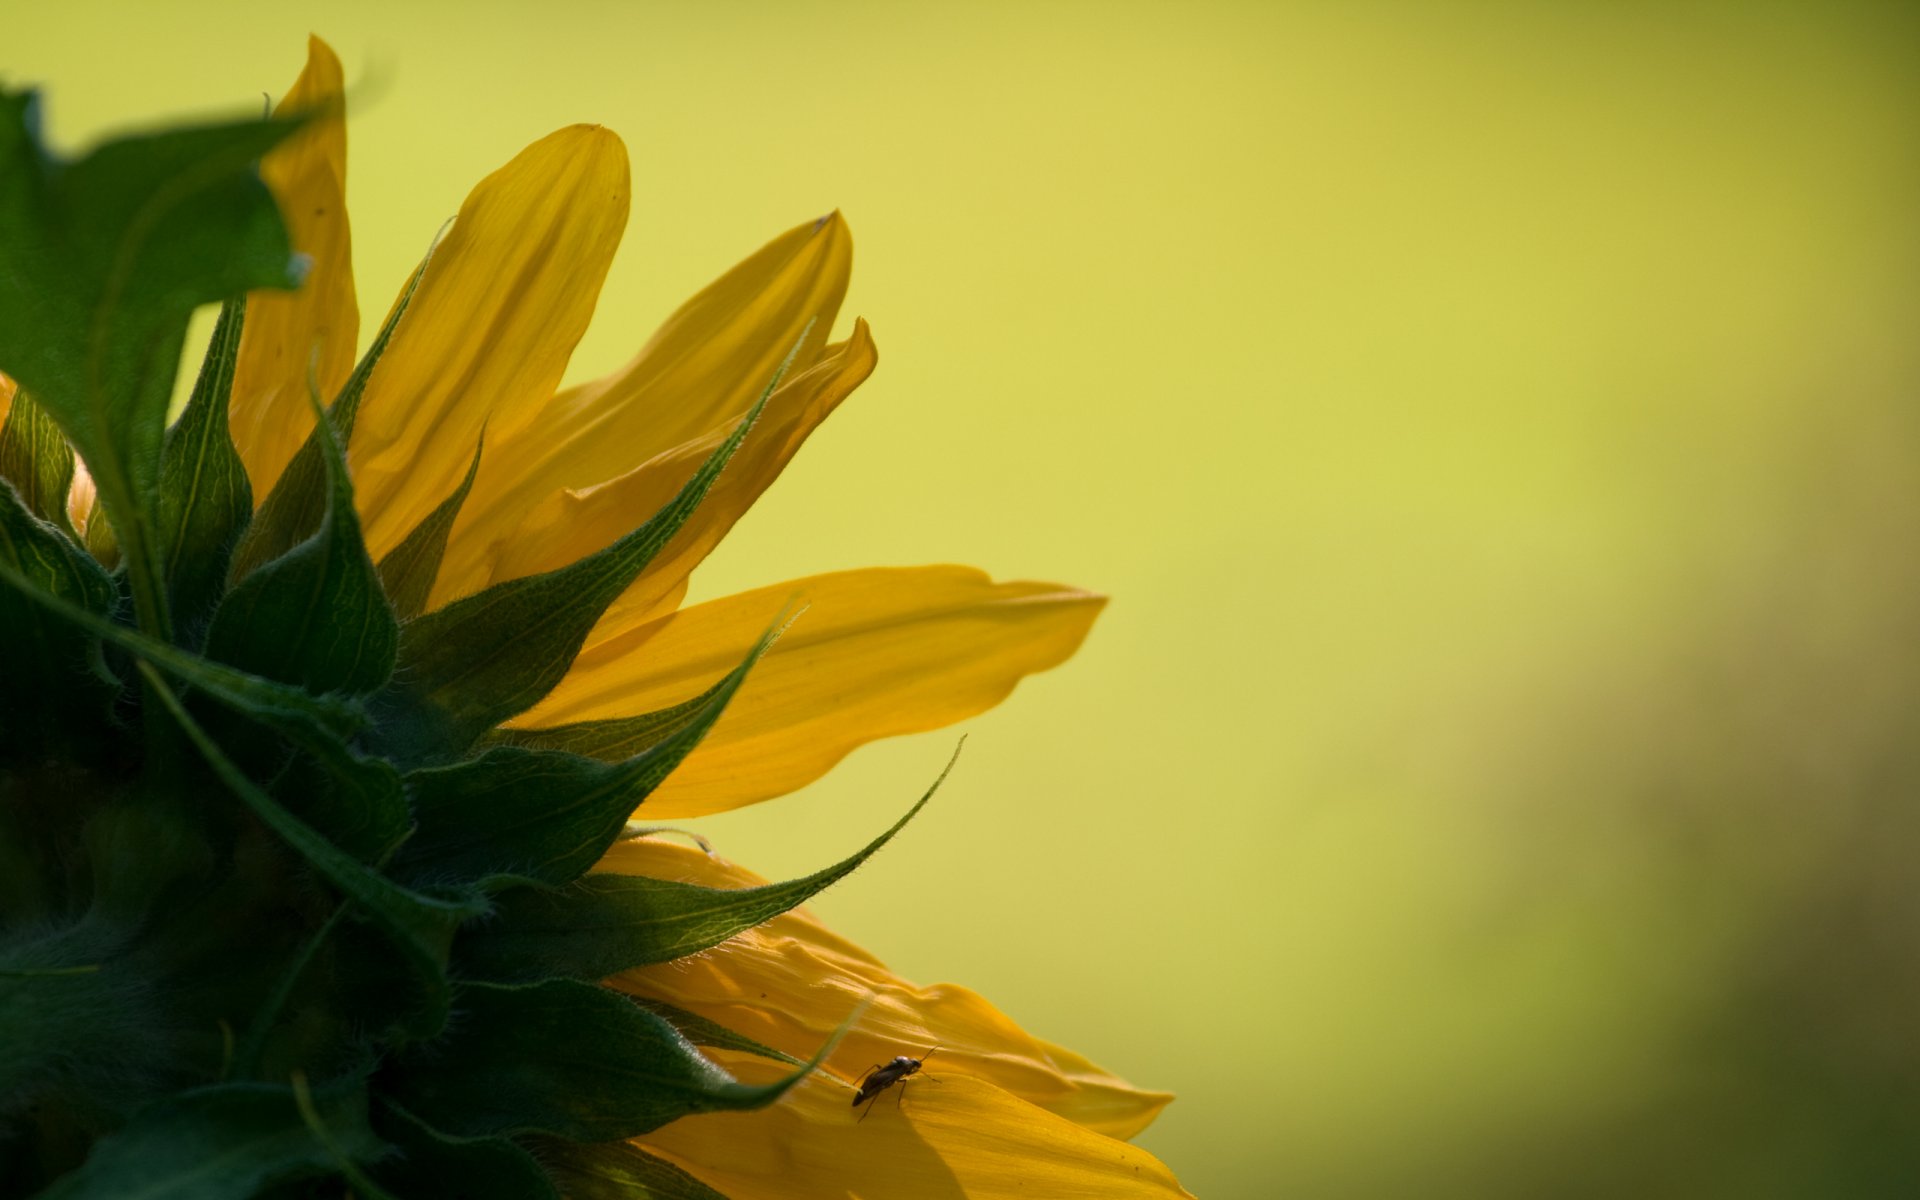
316,616
618,1171
613,739
295,507
229,1141
247,694
205,498
483,659
542,815
49,675
102,261
430,1163
608,923
421,926
568,1059
36,459
409,569
704,1032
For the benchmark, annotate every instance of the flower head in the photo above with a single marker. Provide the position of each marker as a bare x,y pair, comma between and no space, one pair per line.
427,652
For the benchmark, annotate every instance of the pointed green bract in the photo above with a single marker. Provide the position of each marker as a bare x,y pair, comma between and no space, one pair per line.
205,499
226,1142
36,460
409,569
613,739
48,675
430,1163
542,815
479,661
102,261
704,1032
567,1059
607,923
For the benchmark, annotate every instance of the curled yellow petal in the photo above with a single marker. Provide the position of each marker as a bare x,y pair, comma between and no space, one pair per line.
574,523
315,328
703,369
790,982
950,1136
877,652
505,299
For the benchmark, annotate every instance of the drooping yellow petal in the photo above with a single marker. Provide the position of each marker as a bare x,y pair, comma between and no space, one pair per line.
505,299
877,652
949,1136
315,328
701,371
790,983
574,523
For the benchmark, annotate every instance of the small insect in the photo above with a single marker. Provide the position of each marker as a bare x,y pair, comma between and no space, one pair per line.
879,1078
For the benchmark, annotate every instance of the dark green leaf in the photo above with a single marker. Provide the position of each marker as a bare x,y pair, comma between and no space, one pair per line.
432,1164
568,1059
703,1032
317,615
205,499
480,660
618,1171
36,460
607,923
542,815
409,569
422,927
293,510
102,262
48,673
613,739
229,1140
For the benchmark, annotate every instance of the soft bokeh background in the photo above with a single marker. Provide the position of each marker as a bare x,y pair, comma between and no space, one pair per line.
1496,425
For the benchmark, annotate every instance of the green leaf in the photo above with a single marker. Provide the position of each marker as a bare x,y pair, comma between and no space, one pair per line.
432,1164
293,510
568,1059
36,460
48,672
605,923
228,1140
316,616
613,739
542,815
409,569
618,1171
422,927
477,662
205,498
102,261
703,1032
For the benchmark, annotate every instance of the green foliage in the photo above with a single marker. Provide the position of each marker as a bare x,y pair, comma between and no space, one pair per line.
285,910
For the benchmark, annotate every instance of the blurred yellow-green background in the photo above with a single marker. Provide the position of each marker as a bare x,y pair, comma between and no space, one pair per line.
1496,425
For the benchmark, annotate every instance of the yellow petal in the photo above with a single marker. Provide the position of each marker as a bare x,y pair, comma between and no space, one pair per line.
505,299
7,388
316,327
575,523
701,371
877,652
790,983
949,1136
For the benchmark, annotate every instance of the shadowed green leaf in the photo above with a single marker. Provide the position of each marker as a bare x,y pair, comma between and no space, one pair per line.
609,923
36,459
48,671
618,1171
422,927
430,1163
293,510
480,660
409,569
226,1142
102,261
568,1059
315,616
205,498
541,815
703,1032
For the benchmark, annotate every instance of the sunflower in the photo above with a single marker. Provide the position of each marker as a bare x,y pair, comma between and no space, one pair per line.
324,727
